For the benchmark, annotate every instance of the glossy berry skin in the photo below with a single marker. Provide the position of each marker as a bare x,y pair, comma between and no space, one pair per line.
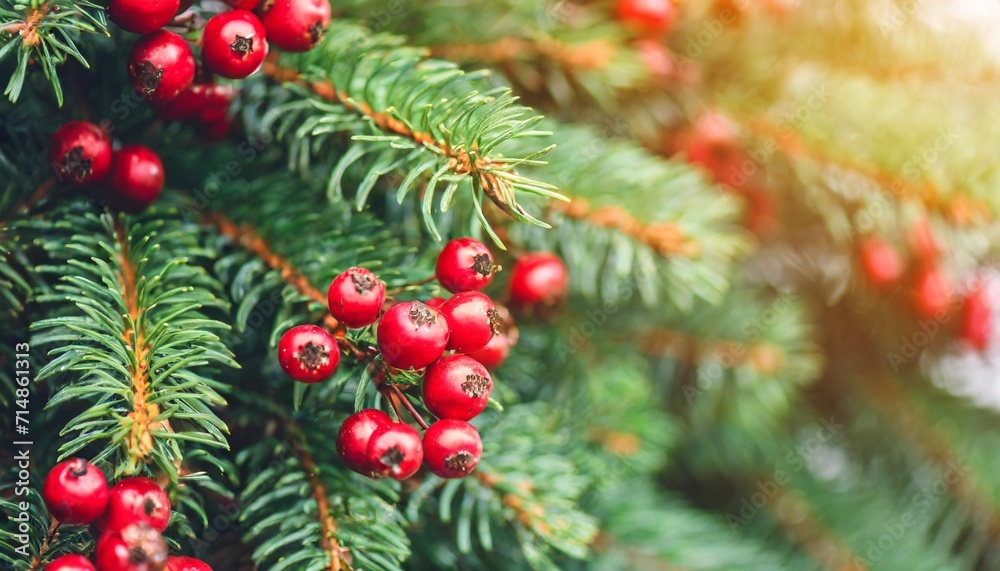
160,66
881,262
648,17
355,435
295,25
356,297
976,327
136,547
932,293
395,451
136,178
142,16
308,354
465,264
72,562
136,500
183,6
203,101
412,335
75,491
243,4
494,353
457,387
179,563
80,153
452,448
472,321
234,44
538,279
435,302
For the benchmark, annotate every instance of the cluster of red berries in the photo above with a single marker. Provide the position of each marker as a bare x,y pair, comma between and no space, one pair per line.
234,44
454,342
81,154
129,517
933,294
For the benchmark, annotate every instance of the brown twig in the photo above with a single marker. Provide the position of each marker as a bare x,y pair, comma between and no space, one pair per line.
409,407
50,538
327,523
796,518
144,413
40,193
664,238
596,54
530,514
761,356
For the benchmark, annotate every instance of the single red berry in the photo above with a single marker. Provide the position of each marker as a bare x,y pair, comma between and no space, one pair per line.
80,153
308,354
75,491
976,327
142,16
295,25
356,297
648,17
457,386
656,56
71,562
472,320
136,178
713,143
538,278
136,547
494,353
412,335
354,436
395,451
881,262
452,448
205,101
136,500
933,293
179,563
465,264
243,4
233,44
161,66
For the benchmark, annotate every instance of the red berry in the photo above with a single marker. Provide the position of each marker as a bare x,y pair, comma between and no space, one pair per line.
80,153
395,451
923,242
136,547
308,354
713,144
136,500
295,25
412,335
647,16
472,320
452,448
233,44
465,264
976,327
435,302
204,101
656,56
75,491
356,297
538,278
494,353
70,563
243,4
161,66
457,386
142,16
881,262
178,563
136,178
933,293
354,436
183,6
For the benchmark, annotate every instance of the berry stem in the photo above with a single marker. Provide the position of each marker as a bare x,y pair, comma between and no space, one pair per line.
50,538
409,407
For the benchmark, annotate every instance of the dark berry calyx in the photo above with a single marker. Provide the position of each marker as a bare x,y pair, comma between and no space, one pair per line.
496,322
316,31
149,506
137,554
475,385
483,266
242,46
78,468
75,165
460,461
149,75
363,281
313,356
392,457
420,314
